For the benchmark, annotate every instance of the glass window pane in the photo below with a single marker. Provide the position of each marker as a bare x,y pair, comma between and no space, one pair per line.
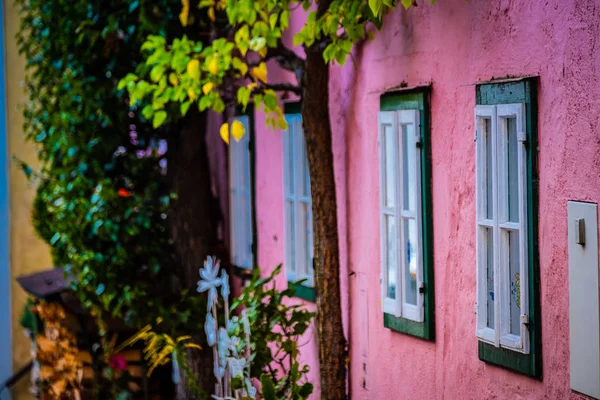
389,169
411,254
489,261
512,173
301,241
489,169
288,159
515,282
289,236
303,183
390,262
409,166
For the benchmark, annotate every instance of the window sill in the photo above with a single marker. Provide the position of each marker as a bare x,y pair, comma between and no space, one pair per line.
517,362
417,329
303,292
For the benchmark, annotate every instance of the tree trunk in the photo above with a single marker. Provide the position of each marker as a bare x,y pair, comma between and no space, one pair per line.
317,131
194,219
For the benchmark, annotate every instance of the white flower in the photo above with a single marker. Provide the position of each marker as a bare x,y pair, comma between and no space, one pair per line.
224,343
251,389
209,329
236,366
224,284
210,280
219,371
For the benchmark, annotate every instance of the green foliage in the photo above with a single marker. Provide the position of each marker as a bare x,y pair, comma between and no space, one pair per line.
276,325
232,70
102,197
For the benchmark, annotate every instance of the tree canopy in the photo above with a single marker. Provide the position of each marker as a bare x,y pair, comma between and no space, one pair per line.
232,69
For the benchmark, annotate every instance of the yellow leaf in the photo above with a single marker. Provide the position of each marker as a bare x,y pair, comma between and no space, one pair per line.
193,69
260,72
211,13
191,94
224,131
237,130
252,85
185,11
206,89
173,79
263,52
282,123
213,67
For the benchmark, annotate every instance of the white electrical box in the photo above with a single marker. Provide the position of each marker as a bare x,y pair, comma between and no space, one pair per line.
584,299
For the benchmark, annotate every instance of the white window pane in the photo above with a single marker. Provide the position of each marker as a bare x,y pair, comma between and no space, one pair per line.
389,170
303,187
512,173
515,282
301,241
289,236
410,266
489,169
391,254
409,167
288,159
489,262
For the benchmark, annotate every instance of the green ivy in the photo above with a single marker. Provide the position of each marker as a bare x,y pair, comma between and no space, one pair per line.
103,199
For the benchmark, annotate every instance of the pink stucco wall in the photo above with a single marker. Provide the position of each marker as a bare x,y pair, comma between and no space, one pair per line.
452,45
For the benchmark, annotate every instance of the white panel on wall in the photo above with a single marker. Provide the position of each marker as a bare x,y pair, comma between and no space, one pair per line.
584,311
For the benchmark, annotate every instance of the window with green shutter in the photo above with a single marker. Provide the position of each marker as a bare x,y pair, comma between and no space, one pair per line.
507,308
405,213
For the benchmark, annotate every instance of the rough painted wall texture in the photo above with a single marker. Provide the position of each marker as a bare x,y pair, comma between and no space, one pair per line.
27,252
451,46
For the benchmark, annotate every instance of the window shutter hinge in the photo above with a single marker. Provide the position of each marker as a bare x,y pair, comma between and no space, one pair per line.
476,134
421,288
524,319
522,137
418,136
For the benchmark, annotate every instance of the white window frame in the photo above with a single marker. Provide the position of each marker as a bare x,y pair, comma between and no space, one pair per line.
500,335
240,199
399,307
294,148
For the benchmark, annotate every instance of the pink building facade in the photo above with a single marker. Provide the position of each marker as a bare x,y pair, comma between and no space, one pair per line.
459,57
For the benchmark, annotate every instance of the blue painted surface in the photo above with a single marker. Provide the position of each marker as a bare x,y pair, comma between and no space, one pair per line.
5,312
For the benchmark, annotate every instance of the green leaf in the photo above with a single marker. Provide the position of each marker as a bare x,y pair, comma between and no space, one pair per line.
268,388
306,390
375,6
407,3
184,107
204,103
299,38
159,118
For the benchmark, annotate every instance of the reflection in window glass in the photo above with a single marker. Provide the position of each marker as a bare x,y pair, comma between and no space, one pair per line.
515,282
489,168
391,241
489,238
410,270
408,167
513,166
389,166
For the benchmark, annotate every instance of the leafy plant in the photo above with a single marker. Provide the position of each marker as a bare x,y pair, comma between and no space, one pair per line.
260,342
277,323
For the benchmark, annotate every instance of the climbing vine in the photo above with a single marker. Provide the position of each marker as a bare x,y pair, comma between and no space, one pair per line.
103,198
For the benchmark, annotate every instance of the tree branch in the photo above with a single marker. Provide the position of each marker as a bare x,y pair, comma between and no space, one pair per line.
283,87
